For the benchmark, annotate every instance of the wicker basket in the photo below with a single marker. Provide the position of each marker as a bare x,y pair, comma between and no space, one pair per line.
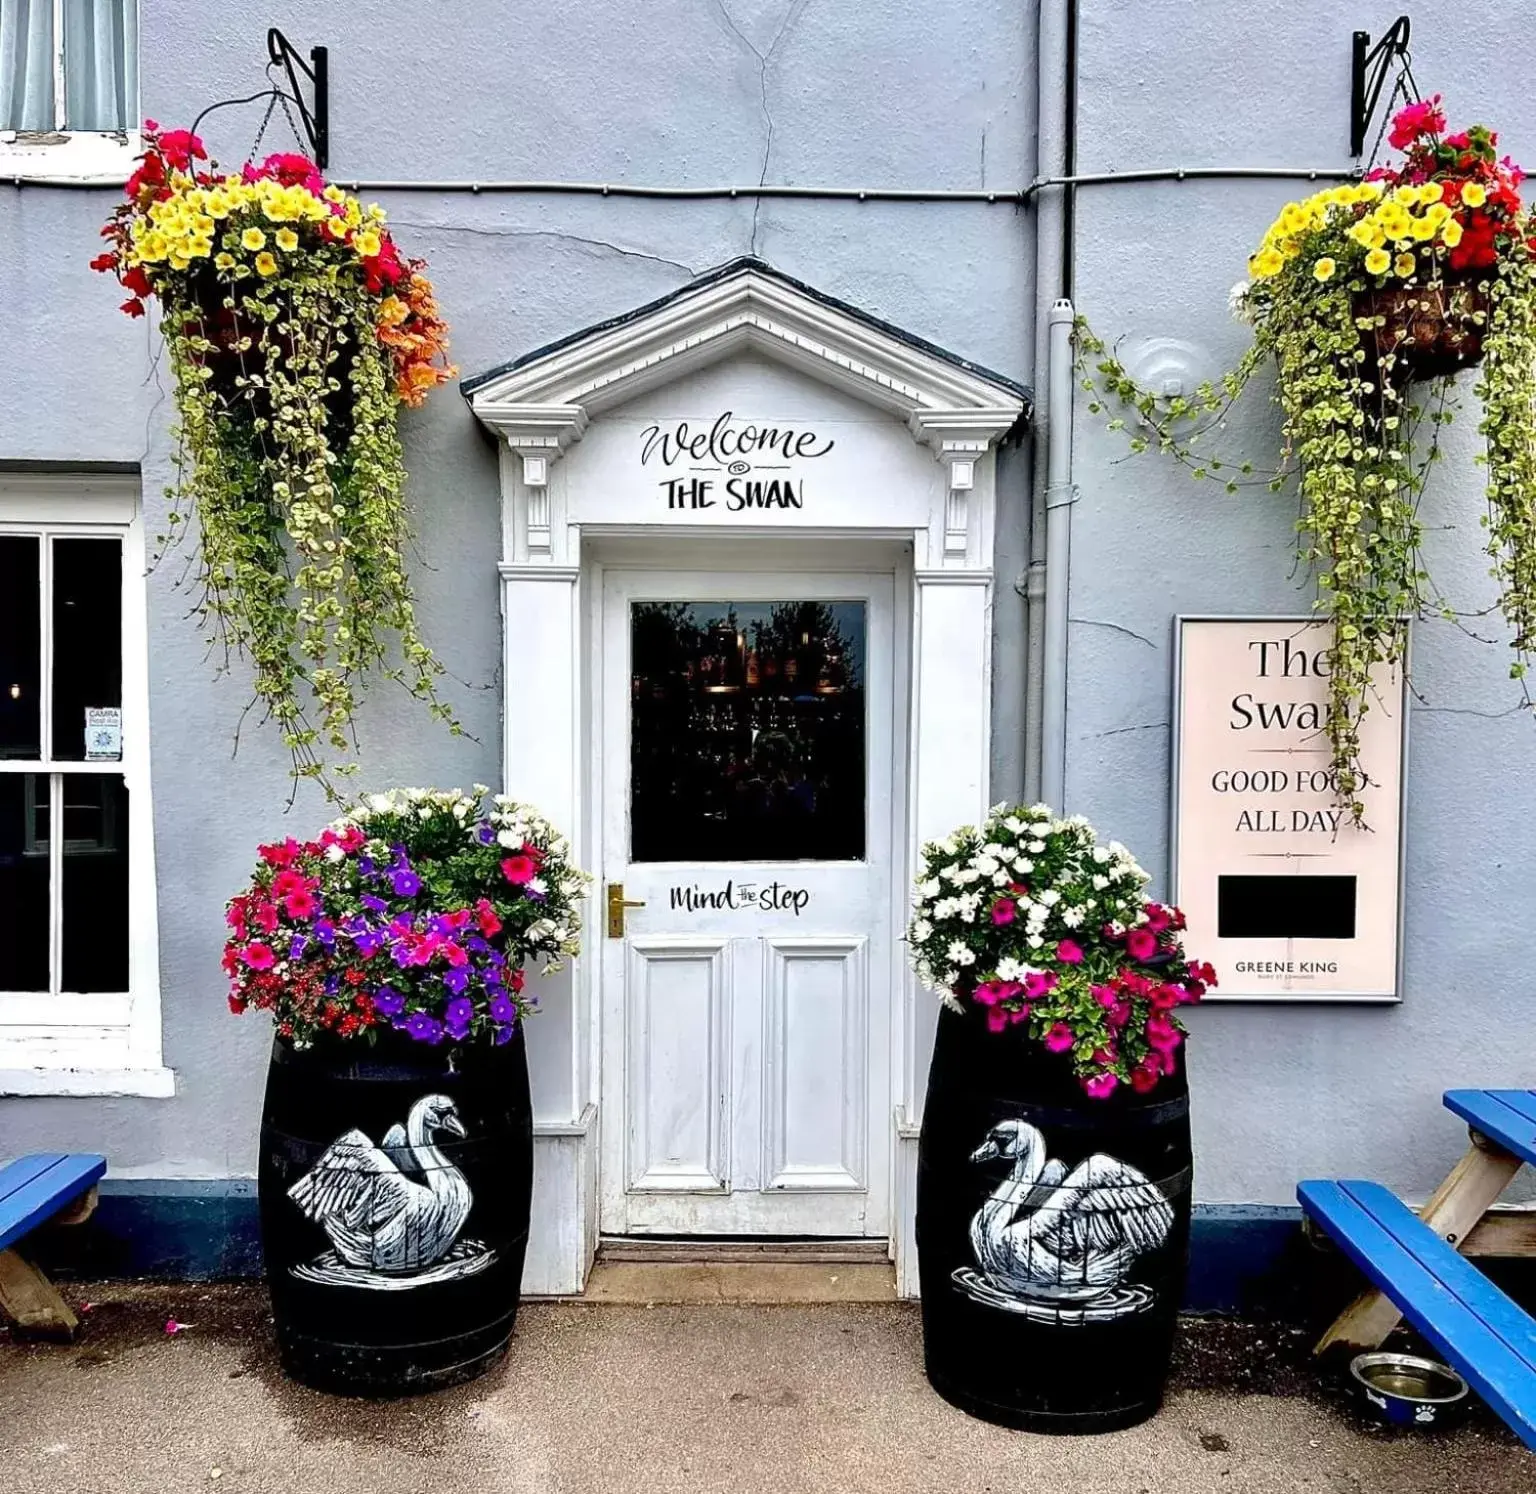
1431,330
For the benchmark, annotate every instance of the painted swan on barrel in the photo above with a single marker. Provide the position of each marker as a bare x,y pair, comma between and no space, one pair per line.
392,1210
1049,1236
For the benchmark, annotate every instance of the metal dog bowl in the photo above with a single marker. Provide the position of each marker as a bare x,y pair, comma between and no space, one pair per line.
1404,1390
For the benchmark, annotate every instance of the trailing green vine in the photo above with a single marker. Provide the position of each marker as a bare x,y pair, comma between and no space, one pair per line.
1368,297
294,333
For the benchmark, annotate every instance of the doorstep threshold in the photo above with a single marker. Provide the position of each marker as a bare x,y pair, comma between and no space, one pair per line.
753,1250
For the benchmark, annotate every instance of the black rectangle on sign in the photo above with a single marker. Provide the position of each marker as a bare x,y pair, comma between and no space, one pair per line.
1285,907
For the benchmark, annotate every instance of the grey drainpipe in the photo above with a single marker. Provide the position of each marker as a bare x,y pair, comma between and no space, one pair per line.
1059,497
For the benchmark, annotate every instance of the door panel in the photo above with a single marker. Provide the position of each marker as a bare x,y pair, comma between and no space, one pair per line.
747,739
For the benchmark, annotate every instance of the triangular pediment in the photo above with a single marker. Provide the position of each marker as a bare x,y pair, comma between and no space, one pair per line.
744,306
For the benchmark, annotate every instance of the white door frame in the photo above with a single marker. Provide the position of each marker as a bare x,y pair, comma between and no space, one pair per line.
778,562
918,467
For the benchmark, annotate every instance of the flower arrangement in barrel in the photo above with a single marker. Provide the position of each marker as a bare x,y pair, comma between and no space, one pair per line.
1039,926
1368,297
417,911
296,329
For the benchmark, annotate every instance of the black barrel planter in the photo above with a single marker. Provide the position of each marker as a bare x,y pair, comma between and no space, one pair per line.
1050,1283
395,1182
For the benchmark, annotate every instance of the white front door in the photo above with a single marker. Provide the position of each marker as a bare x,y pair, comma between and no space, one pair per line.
747,732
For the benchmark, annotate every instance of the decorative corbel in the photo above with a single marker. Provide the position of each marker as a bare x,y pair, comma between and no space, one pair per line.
539,435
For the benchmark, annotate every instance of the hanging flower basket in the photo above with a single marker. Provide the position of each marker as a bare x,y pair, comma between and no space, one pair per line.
1360,295
295,331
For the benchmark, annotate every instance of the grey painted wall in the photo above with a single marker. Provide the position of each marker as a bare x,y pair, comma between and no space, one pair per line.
1283,1093
703,91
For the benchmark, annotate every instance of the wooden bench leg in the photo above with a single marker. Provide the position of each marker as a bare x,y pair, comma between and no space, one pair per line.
1469,1190
32,1301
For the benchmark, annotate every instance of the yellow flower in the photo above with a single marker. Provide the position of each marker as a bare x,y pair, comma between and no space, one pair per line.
1323,269
218,203
1377,262
253,238
287,240
1438,213
1473,195
1404,265
224,260
1431,192
367,243
1362,232
1450,235
1422,228
266,264
334,194
1267,262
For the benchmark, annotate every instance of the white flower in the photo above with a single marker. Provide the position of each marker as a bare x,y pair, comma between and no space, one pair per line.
1040,809
954,873
1014,825
1115,927
985,865
1035,847
1238,303
930,888
538,886
1072,917
1033,940
1100,883
1011,969
1001,878
508,838
921,930
380,803
958,954
1023,864
1050,897
334,853
1101,854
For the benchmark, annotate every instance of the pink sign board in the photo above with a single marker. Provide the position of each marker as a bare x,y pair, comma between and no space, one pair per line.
1284,896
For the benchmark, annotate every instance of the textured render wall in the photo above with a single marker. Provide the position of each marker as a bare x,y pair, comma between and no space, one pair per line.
679,91
1282,1093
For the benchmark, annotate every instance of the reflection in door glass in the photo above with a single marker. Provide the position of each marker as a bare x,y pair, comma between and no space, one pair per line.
747,731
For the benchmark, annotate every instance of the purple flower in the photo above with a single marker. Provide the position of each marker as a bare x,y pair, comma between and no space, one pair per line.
405,882
456,981
459,1014
365,865
325,932
423,1028
503,1008
368,943
477,944
501,1035
374,904
332,984
389,1001
298,946
485,833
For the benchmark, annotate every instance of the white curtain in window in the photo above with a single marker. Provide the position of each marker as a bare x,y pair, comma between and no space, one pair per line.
101,63
26,64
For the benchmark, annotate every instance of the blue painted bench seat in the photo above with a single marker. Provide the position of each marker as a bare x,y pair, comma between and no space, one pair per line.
1457,1309
33,1189
1507,1116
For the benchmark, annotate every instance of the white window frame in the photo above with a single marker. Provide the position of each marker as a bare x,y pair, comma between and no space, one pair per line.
106,1043
84,156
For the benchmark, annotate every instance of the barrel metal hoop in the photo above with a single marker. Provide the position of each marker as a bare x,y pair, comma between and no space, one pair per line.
1078,1118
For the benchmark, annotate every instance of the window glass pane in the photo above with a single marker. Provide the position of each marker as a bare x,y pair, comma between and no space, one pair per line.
101,64
21,717
87,637
26,65
95,928
747,731
24,881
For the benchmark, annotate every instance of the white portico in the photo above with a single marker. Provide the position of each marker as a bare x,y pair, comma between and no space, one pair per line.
746,590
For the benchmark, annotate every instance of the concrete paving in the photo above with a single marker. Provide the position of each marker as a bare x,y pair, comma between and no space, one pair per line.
621,1399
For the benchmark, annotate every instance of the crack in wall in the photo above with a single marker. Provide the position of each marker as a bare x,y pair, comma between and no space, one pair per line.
762,58
1099,622
547,233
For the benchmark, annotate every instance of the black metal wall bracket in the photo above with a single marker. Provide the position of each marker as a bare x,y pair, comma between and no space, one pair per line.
316,115
1369,75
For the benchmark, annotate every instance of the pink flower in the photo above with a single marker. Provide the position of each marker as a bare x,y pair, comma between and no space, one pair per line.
1157,917
301,904
989,992
1059,1039
997,1019
1423,118
1120,1014
1141,944
518,869
1019,1013
172,1327
1069,952
1004,910
1039,983
1145,1075
1104,1057
1101,1086
1106,996
1163,1035
258,956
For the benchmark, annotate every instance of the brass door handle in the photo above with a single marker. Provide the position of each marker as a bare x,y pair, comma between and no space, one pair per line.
617,903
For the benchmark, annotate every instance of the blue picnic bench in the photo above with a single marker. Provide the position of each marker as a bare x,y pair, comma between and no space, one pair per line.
1418,1262
56,1187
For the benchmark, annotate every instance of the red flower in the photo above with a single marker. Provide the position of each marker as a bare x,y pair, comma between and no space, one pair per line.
1144,1076
1141,944
287,882
279,854
301,904
258,956
518,979
237,1003
490,924
1423,118
519,869
265,917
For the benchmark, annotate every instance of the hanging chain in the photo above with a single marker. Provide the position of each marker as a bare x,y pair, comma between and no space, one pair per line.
1405,88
